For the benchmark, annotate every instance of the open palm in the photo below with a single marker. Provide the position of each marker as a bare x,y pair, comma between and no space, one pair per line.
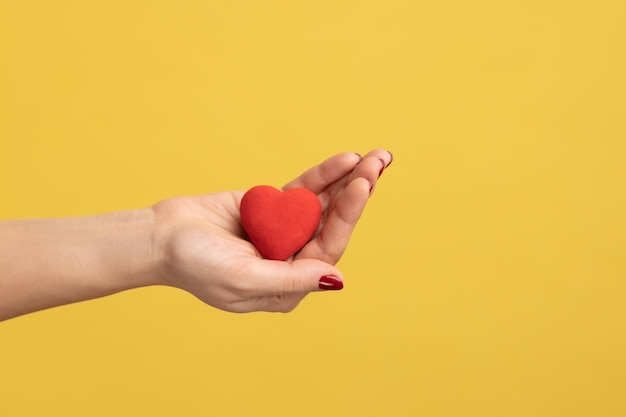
207,253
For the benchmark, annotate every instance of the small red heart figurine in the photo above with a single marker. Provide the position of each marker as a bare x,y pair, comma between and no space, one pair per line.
279,223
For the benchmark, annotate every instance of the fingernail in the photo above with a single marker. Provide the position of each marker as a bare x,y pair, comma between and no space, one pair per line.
359,155
330,282
383,167
391,158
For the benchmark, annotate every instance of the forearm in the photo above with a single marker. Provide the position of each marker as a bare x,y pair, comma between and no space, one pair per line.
50,262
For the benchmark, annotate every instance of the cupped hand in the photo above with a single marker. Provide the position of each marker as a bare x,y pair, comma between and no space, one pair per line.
205,251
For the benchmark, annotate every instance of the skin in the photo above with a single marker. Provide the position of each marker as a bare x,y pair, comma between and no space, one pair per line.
194,243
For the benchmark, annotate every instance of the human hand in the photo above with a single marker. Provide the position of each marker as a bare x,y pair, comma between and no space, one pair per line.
205,250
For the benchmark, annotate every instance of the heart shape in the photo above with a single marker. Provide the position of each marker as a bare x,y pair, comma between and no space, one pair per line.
279,223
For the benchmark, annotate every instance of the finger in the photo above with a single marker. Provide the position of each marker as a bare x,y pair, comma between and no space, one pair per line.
290,279
331,242
384,155
370,170
371,167
321,176
274,303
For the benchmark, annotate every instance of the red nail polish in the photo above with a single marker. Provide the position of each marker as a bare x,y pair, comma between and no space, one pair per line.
330,282
382,168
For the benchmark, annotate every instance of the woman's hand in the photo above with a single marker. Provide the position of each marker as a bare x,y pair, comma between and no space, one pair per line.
205,250
194,243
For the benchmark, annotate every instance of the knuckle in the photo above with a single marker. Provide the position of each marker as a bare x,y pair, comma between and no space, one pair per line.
292,285
241,287
288,305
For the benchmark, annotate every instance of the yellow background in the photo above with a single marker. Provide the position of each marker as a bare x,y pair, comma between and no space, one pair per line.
486,278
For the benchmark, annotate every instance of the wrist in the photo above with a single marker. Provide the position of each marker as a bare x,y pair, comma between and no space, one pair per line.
130,249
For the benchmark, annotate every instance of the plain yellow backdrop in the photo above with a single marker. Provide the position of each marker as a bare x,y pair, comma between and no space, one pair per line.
486,277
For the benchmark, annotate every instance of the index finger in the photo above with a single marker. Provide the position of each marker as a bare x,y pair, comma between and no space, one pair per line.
321,176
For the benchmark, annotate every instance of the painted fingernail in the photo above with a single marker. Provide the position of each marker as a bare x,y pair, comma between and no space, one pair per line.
330,282
382,168
391,158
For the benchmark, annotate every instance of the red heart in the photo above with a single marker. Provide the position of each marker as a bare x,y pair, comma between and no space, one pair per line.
279,223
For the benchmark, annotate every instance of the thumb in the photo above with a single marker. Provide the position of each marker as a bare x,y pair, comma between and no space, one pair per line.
298,277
